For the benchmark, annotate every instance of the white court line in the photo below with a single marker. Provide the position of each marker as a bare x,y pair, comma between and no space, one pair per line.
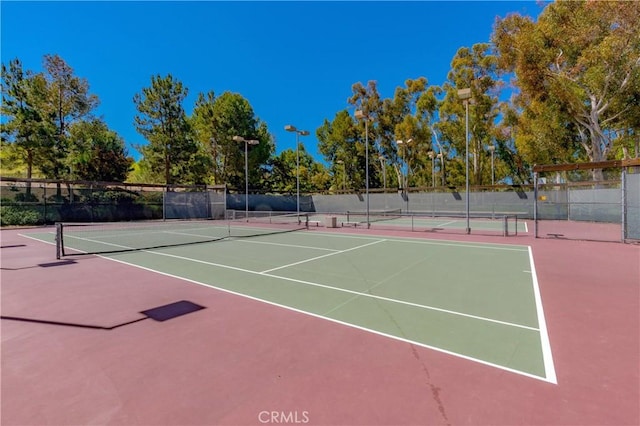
451,222
241,240
414,240
320,257
402,302
547,356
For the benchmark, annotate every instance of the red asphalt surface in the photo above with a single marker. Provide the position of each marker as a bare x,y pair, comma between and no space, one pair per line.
243,362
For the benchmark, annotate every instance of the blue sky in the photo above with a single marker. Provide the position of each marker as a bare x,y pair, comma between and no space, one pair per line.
295,62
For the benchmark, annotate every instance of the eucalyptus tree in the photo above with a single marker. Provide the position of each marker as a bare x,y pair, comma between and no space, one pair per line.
367,100
509,147
408,114
579,58
412,112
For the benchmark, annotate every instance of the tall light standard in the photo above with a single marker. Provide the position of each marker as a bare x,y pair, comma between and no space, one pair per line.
362,115
465,96
246,142
492,149
290,128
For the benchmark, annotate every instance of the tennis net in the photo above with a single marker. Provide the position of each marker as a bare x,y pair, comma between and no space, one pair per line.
373,215
118,237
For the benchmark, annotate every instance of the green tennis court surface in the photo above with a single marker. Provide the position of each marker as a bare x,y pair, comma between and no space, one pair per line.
476,301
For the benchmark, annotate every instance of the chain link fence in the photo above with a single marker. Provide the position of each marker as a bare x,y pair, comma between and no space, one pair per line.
40,201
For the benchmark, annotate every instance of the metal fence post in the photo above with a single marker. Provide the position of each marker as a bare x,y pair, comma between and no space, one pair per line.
535,204
624,204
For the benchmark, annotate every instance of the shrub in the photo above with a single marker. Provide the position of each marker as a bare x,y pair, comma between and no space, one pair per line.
19,216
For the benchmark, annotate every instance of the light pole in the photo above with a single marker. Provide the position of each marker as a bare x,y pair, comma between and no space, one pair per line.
465,96
290,128
246,142
441,157
359,114
492,149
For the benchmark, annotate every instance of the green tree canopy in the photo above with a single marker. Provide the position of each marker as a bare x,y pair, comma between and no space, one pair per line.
171,151
67,101
25,129
580,63
97,153
233,116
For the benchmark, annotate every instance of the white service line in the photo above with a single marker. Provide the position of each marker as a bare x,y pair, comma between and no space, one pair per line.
446,223
422,241
281,244
320,257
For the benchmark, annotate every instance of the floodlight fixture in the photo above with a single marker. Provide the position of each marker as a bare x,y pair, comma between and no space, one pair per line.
465,96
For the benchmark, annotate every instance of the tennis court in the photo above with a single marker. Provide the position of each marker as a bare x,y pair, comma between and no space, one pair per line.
323,326
476,301
481,223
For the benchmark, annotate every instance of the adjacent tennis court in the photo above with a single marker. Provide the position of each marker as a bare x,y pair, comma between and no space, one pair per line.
482,223
476,301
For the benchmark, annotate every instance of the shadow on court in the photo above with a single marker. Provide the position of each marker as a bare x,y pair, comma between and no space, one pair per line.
161,313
